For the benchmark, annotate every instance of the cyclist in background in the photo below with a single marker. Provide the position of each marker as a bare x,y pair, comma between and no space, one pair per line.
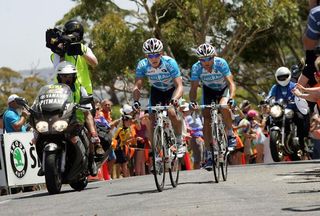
218,86
165,78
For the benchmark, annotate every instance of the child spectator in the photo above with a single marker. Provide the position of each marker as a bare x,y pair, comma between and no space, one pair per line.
141,127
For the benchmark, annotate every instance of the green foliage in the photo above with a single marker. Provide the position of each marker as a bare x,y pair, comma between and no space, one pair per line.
13,83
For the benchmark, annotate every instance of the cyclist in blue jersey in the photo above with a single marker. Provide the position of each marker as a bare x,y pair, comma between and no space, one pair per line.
218,86
165,78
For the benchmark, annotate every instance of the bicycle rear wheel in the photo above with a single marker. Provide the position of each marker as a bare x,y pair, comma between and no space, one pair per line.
174,165
225,153
158,158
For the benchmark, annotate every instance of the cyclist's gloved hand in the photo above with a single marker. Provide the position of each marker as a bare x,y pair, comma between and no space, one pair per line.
232,102
136,105
193,105
174,102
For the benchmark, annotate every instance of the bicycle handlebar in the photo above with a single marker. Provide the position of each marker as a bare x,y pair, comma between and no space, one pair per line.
217,106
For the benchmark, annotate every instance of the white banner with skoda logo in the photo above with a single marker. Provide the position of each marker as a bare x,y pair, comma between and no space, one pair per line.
22,162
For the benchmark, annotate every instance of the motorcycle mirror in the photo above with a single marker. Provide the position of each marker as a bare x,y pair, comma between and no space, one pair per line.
21,101
86,100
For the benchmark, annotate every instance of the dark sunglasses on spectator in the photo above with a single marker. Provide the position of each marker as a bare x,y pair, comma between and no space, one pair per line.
282,77
155,55
317,74
206,59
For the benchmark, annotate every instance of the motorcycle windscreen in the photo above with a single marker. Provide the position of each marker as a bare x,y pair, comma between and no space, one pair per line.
54,98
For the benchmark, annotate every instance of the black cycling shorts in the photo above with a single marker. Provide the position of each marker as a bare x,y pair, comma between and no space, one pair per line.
158,97
210,95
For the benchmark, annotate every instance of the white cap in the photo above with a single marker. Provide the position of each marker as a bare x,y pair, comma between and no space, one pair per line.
126,109
12,97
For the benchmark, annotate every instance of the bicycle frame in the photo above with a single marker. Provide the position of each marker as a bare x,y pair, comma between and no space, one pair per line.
163,154
219,138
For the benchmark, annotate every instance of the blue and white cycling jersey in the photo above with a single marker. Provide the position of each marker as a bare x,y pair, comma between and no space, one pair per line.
161,77
215,79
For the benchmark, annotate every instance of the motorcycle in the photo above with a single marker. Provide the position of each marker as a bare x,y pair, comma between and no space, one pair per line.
284,140
53,117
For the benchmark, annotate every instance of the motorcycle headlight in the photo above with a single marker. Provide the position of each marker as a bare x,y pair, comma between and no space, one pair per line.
276,111
60,125
42,126
289,113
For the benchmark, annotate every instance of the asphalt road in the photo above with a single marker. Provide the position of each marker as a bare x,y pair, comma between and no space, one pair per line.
269,189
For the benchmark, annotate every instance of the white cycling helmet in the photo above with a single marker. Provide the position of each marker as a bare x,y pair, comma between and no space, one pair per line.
152,45
283,76
205,50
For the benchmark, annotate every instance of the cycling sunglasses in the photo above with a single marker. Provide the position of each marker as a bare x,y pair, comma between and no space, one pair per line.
206,59
155,55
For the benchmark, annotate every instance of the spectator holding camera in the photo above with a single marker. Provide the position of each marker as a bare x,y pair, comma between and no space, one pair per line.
81,56
15,117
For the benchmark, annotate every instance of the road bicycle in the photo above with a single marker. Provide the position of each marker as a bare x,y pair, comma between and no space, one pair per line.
164,148
219,147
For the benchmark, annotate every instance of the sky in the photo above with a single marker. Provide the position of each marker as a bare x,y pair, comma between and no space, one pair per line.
23,25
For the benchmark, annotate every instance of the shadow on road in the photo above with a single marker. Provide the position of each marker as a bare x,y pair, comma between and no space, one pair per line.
303,209
136,192
205,182
47,194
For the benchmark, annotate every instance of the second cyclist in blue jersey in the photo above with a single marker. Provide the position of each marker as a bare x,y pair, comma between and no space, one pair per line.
165,78
217,85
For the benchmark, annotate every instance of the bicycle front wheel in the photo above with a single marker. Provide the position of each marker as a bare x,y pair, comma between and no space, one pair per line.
158,158
224,154
215,163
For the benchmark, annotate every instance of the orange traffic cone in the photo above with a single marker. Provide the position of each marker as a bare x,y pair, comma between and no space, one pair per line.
187,161
243,159
98,177
104,167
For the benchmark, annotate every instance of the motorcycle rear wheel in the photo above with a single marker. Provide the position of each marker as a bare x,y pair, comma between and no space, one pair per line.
52,173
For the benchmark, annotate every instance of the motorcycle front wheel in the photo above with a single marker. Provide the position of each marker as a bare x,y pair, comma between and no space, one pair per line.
277,152
52,173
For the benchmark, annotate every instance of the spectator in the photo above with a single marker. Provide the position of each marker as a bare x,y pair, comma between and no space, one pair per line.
105,112
257,135
315,135
13,121
194,128
122,140
141,127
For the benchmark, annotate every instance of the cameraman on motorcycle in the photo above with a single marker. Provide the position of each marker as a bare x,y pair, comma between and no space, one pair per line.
67,74
283,90
73,31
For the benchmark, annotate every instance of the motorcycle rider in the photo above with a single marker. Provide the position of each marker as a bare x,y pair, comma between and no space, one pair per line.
283,89
67,74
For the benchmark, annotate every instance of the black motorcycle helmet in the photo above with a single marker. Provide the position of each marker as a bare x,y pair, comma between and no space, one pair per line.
74,26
